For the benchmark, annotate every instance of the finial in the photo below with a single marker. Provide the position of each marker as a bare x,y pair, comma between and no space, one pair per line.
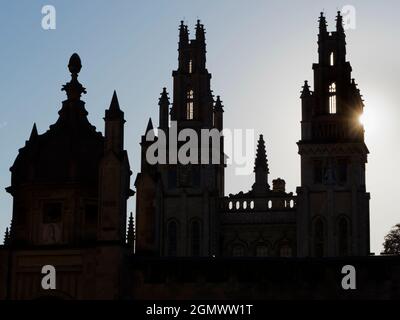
182,27
75,64
164,99
183,34
306,90
218,104
339,22
73,88
322,23
199,31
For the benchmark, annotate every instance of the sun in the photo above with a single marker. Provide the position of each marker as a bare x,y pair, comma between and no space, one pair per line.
369,119
362,119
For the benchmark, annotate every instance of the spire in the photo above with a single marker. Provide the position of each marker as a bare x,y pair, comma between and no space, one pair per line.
183,46
114,112
114,106
146,140
163,102
322,24
199,54
261,156
131,231
261,169
200,34
218,105
183,34
306,90
34,133
149,126
339,23
73,88
6,237
218,114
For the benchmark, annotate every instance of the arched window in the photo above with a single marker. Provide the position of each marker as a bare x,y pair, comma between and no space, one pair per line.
190,66
332,98
318,238
343,237
262,251
189,105
238,251
172,239
195,238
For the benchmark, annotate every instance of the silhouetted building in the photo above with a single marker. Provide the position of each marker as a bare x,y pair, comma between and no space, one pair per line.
333,206
177,204
182,210
70,188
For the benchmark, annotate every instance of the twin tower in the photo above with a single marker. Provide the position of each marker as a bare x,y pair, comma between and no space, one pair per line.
70,185
181,208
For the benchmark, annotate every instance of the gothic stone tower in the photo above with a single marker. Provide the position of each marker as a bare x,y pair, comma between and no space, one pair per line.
177,202
333,212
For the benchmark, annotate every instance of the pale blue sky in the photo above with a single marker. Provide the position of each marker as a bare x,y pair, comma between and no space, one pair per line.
259,53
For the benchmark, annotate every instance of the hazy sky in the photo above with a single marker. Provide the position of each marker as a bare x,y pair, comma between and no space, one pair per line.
259,54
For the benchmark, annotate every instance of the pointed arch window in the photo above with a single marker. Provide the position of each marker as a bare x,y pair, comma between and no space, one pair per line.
189,104
319,238
332,98
190,66
172,233
195,238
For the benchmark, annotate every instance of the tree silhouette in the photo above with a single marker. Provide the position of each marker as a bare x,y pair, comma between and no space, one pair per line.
392,241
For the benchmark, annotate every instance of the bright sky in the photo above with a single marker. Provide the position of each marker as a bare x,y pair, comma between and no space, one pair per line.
259,53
